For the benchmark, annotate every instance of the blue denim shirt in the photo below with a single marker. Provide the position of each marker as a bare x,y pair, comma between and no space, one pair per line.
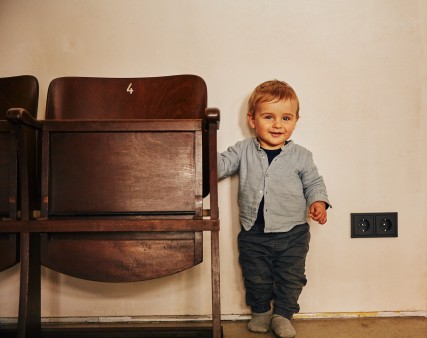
289,184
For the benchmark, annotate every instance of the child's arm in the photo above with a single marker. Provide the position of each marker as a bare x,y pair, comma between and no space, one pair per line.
317,212
229,161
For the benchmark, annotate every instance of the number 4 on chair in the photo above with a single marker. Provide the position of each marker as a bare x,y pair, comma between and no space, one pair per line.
130,89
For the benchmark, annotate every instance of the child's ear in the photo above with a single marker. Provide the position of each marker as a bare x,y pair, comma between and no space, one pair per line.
251,119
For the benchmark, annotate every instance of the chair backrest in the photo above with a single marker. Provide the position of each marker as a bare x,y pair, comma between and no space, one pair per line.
166,97
15,92
19,92
148,167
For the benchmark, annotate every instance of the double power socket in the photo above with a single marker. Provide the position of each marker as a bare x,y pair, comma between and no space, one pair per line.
375,224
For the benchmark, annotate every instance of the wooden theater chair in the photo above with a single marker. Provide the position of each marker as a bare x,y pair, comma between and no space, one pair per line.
16,141
126,163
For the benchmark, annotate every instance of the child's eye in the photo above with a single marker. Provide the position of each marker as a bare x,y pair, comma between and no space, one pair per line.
268,117
287,118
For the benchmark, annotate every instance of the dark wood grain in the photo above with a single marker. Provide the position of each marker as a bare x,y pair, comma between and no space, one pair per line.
22,92
125,164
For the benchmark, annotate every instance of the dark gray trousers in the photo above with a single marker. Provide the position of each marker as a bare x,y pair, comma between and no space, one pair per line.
273,266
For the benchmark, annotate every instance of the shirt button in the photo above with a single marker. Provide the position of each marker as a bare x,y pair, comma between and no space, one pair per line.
260,191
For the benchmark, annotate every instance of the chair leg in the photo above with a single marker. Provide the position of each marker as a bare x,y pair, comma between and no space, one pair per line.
29,320
215,275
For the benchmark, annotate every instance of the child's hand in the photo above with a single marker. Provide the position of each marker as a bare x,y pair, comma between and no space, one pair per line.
317,212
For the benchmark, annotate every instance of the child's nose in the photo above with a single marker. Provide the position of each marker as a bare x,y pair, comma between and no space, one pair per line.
277,123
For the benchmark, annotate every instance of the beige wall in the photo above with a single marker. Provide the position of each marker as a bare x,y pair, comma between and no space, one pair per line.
360,69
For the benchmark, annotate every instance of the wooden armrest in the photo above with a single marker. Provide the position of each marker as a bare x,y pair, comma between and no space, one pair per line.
212,115
43,225
22,116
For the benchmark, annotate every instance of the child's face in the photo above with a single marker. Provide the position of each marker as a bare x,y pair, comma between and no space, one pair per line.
274,122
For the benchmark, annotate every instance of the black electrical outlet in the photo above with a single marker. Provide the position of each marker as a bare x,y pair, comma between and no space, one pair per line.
362,225
374,224
386,224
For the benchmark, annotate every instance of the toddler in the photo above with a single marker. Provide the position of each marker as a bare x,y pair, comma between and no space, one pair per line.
279,186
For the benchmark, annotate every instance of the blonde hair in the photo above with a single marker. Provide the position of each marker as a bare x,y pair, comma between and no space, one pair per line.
272,91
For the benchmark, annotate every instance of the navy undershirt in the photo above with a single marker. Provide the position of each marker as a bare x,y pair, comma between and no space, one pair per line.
259,222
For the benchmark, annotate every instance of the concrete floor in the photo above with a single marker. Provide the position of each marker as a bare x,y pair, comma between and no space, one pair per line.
395,327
